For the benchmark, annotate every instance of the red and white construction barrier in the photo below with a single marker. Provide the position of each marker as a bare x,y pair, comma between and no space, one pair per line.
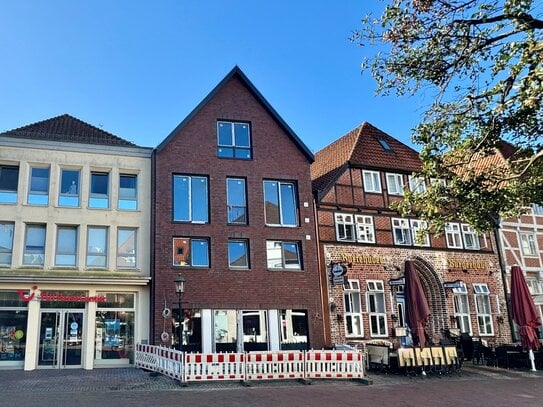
214,366
275,365
321,364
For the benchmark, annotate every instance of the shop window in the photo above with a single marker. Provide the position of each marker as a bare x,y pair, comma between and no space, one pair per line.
469,237
461,309
482,304
238,253
114,341
69,188
280,203
236,201
66,250
527,242
9,178
34,250
13,324
225,330
351,227
255,330
6,243
394,184
376,308
294,329
127,248
190,252
233,140
190,199
372,181
352,303
453,236
97,246
283,255
99,190
128,192
38,192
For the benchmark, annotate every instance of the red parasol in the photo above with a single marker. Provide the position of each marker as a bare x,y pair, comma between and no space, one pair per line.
523,310
416,305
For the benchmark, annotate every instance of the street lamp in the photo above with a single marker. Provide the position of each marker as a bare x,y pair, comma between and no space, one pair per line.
180,289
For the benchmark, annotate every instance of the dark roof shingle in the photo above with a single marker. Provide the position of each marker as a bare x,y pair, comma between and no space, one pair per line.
66,128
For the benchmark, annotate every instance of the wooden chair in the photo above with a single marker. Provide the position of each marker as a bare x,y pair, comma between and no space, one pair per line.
406,360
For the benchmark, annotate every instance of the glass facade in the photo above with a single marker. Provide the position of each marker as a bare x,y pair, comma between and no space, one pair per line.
13,323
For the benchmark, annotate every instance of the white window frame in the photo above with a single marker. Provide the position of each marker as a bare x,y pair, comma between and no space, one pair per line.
375,292
484,316
537,209
394,183
403,225
129,260
534,286
372,181
350,228
528,244
417,185
93,252
416,225
467,233
461,309
453,235
352,305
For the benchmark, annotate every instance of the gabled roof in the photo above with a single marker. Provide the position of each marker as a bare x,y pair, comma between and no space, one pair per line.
237,72
66,128
365,146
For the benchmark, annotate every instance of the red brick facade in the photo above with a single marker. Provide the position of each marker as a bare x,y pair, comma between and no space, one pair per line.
383,259
276,154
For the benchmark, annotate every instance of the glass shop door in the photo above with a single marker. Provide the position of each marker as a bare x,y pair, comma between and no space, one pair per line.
61,339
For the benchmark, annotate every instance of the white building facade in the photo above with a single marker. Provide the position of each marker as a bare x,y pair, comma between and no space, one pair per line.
75,212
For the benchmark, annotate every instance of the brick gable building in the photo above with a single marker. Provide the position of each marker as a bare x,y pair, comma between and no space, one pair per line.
234,216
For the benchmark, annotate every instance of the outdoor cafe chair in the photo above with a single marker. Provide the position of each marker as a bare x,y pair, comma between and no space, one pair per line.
423,358
451,358
406,360
438,359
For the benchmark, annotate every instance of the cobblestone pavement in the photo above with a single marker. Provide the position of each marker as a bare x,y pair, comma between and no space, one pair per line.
474,385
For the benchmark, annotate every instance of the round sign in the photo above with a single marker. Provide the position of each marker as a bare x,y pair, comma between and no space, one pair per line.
164,336
338,270
19,334
74,325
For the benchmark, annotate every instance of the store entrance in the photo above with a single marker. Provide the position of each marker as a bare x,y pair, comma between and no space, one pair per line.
61,339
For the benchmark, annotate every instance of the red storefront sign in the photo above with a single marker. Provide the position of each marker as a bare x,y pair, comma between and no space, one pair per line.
58,296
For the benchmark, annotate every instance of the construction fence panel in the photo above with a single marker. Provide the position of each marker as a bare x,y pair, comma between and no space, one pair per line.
214,366
323,364
275,365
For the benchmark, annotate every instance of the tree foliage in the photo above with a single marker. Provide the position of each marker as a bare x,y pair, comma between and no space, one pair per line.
481,64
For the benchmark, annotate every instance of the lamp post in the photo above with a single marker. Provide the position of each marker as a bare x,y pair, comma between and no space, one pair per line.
180,289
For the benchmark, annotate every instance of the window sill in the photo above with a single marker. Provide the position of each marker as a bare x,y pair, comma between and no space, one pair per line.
65,268
128,270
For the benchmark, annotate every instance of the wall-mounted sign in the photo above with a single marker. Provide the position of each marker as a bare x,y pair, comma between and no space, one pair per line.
337,273
57,296
467,265
453,284
361,259
397,281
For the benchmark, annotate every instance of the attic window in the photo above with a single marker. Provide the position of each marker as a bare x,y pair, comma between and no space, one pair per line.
384,144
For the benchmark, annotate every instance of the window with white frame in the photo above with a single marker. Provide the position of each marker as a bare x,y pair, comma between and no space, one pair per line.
376,308
283,255
352,228
128,192
533,285
99,190
394,184
280,203
482,305
461,308
353,309
402,232
372,181
34,249
97,246
470,237
6,243
38,191
417,185
527,242
537,209
419,229
9,178
127,245
453,236
69,188
66,248
190,199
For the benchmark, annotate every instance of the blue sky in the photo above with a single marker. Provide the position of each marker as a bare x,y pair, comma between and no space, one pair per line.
137,68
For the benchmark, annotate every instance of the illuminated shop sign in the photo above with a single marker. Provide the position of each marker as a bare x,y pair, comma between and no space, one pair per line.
58,296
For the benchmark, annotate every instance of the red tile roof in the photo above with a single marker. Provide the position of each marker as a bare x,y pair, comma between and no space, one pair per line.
361,147
69,129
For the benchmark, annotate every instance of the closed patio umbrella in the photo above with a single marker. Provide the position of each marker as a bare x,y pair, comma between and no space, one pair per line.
524,312
416,305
